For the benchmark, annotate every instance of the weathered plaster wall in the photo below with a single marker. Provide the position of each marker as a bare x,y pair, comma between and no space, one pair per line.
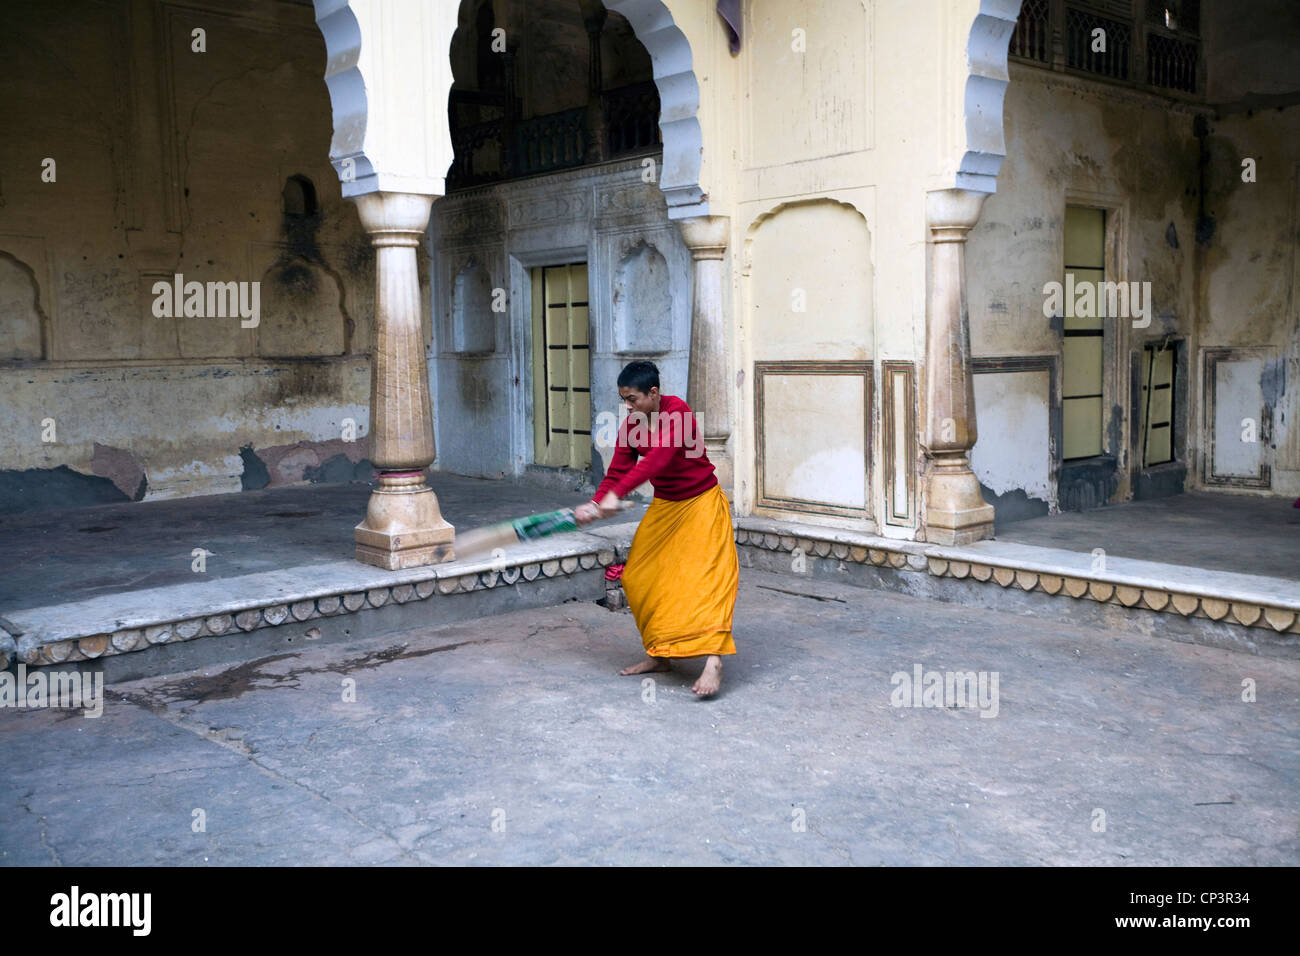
813,425
1251,47
1073,141
169,160
1250,290
1223,271
1013,455
833,103
183,425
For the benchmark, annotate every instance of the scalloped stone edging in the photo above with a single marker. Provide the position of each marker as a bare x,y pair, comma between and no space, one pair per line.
247,620
1160,600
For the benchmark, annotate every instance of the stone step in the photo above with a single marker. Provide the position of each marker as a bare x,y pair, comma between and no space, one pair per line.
140,633
1246,612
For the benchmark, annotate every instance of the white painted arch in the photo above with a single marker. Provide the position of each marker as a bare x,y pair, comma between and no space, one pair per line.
986,86
679,103
388,72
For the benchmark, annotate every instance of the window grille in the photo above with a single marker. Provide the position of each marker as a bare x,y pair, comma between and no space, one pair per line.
632,118
1171,63
1029,39
1079,54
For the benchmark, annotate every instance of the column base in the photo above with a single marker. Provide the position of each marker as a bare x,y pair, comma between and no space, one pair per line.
956,512
404,527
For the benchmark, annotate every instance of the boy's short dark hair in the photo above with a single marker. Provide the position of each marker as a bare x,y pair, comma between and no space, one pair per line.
642,376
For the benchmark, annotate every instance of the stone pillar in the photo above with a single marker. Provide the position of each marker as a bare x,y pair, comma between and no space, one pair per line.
595,124
707,390
403,527
955,511
511,163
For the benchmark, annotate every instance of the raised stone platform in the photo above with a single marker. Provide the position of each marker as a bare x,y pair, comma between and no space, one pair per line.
282,575
113,587
1247,612
251,615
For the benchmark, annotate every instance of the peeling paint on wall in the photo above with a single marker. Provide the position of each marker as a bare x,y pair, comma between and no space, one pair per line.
307,461
120,467
1013,506
1272,381
255,475
44,489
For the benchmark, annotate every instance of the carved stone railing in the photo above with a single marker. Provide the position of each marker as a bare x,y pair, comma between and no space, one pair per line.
632,118
548,143
467,142
1138,43
555,141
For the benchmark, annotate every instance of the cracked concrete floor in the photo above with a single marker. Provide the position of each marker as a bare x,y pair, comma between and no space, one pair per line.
512,740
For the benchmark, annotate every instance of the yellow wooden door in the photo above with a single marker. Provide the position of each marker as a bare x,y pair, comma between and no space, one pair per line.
1157,405
561,367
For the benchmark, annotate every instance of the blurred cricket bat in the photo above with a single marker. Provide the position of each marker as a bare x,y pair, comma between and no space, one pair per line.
503,534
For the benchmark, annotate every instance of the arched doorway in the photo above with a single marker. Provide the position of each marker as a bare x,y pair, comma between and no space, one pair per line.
555,207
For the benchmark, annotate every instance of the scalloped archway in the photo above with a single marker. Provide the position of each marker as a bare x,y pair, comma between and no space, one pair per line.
391,134
986,87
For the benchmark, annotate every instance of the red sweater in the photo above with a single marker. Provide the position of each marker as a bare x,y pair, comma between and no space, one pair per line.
671,448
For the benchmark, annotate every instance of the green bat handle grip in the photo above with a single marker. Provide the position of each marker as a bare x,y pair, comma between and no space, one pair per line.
550,522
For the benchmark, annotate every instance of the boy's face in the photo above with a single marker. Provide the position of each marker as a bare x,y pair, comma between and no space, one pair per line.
640,401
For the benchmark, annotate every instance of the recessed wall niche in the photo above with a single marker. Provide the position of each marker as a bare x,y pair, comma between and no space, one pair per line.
643,301
473,321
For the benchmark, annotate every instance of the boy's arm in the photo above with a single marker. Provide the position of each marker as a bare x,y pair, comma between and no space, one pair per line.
622,462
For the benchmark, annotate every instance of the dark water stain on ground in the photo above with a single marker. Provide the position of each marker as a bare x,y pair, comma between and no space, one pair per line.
252,675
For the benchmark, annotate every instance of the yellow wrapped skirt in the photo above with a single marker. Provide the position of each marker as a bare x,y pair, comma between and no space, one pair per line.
682,575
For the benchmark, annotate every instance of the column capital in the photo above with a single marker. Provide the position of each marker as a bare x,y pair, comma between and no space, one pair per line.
394,219
951,213
706,236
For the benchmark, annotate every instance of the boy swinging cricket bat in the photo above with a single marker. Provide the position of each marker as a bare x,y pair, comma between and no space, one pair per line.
682,573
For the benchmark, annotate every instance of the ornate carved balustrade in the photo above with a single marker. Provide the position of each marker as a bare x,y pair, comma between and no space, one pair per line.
552,142
632,118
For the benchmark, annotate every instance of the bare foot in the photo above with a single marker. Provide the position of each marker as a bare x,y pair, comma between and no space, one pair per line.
648,666
711,679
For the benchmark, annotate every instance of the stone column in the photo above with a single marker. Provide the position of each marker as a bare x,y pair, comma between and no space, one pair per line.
707,390
955,511
511,163
595,125
403,527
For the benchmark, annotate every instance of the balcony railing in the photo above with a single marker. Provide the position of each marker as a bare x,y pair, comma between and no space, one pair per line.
1031,36
555,141
1097,44
1140,43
